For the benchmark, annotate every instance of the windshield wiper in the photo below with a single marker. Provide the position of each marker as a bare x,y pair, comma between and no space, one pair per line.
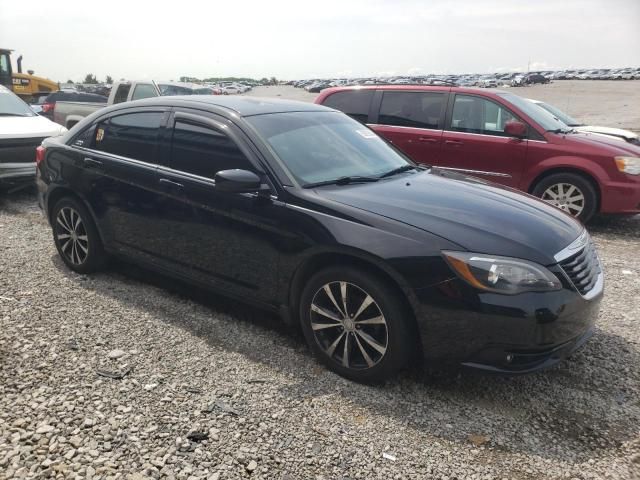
560,130
13,115
342,181
403,168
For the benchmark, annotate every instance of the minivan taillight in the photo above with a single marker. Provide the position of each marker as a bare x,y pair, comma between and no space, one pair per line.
48,107
40,151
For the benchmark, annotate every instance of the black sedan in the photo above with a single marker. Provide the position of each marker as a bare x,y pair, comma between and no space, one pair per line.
301,210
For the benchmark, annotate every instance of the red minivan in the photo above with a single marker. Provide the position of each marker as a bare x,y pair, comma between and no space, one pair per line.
501,137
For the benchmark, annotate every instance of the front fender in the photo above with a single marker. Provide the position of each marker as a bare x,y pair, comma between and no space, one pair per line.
583,165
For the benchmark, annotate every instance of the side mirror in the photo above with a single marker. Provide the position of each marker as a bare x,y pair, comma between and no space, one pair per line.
237,181
515,129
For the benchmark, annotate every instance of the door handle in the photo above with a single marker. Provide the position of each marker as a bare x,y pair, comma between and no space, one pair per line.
165,182
91,163
455,143
427,140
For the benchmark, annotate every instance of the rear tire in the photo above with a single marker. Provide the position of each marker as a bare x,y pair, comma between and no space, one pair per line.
76,236
369,344
570,192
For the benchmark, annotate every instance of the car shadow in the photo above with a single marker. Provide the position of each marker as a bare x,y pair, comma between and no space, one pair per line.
580,409
615,226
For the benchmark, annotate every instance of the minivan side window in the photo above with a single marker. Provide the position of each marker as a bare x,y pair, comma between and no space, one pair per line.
412,109
132,135
354,103
144,90
203,151
473,114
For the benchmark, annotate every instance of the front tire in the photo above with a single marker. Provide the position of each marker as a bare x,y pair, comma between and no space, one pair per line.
76,236
355,324
571,193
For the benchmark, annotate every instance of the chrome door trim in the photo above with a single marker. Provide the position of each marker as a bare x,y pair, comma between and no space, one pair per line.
473,172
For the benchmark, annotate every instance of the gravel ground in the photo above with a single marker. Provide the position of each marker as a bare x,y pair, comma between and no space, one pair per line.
219,391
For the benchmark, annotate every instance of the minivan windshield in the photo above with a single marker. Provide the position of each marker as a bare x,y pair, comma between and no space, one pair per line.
559,114
538,114
12,106
327,147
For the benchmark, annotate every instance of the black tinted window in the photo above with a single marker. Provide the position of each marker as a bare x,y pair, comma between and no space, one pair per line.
131,135
478,115
121,93
354,103
203,151
411,109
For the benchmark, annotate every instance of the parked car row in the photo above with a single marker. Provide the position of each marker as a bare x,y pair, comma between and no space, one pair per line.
474,79
304,211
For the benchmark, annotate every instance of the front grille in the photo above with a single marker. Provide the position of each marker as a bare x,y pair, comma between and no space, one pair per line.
583,268
19,150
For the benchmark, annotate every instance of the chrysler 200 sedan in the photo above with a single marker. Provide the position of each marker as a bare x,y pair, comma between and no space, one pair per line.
299,209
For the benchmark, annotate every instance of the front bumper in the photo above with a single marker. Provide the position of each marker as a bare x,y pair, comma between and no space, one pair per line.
621,197
504,333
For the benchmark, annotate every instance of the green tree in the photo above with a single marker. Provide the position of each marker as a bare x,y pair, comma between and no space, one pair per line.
274,81
69,81
108,80
90,78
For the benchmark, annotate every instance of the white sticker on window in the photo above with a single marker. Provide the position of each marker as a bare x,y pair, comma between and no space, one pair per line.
366,133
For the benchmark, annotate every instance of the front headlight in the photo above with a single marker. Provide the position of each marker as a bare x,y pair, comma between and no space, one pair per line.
630,165
502,274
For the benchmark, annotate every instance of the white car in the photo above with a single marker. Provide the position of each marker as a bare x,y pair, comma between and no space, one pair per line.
21,131
626,135
229,89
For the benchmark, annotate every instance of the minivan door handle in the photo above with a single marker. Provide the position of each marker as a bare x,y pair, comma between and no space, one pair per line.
427,140
454,143
165,182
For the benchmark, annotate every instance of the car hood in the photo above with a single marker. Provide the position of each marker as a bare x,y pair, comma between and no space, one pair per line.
480,216
617,132
606,144
29,127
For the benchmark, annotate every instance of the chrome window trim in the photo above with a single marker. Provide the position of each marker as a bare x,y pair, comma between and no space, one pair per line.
116,157
399,126
473,172
486,135
573,247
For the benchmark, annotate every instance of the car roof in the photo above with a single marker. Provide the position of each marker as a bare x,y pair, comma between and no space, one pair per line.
241,105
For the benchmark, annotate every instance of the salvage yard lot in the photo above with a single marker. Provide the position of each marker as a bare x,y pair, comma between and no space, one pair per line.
196,363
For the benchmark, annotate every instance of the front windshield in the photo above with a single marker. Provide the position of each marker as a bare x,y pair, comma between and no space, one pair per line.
12,106
323,146
560,115
538,114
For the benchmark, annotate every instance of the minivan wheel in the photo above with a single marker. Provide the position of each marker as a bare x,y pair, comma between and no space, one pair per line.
569,192
76,237
355,324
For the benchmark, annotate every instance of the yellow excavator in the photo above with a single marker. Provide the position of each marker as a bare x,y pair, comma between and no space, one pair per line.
26,85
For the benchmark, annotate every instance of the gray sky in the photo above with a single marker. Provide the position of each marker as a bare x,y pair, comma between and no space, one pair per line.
165,39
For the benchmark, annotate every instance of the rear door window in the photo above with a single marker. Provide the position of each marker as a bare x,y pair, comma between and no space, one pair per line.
144,90
412,109
204,151
133,135
473,114
354,103
121,93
